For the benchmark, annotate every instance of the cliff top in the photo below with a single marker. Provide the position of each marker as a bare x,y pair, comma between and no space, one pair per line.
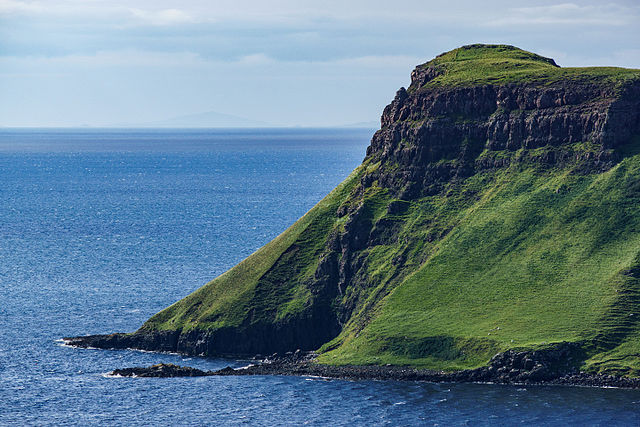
481,64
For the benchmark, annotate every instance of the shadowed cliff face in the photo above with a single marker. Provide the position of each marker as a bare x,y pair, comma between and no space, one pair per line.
469,118
433,135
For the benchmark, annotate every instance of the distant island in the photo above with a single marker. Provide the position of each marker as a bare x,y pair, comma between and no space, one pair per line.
208,119
213,119
493,229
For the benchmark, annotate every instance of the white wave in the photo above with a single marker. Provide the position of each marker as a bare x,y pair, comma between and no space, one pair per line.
246,367
110,375
65,343
316,377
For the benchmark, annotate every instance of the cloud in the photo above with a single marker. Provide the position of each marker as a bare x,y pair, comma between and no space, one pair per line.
12,6
162,17
569,14
135,58
256,59
375,61
123,58
272,14
63,11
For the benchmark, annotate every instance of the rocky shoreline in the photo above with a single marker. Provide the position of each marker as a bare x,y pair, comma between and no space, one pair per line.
550,366
388,373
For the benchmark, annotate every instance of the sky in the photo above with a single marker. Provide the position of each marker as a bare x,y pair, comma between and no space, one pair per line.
287,63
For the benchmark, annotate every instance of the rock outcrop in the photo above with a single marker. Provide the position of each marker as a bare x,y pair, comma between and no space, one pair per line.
439,134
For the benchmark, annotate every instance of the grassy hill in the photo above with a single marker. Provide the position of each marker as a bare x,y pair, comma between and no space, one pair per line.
454,241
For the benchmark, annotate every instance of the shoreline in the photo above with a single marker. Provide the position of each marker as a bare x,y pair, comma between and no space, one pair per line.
370,373
551,366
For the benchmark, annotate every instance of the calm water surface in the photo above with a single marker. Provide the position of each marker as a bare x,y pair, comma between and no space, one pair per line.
100,229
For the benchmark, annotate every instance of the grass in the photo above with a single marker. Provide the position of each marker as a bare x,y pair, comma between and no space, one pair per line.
502,64
525,265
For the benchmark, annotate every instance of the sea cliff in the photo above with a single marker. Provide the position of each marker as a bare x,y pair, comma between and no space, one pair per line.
495,215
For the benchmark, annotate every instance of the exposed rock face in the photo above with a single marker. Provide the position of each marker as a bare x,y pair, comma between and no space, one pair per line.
224,342
423,131
430,136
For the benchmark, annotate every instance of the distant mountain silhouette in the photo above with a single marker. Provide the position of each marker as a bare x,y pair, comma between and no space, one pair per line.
373,124
206,119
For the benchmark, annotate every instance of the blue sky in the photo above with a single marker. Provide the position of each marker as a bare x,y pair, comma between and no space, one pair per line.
289,63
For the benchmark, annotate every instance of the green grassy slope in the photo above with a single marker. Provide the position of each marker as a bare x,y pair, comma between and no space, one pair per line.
512,257
540,256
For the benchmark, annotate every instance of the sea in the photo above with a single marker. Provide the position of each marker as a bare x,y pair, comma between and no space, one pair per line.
102,228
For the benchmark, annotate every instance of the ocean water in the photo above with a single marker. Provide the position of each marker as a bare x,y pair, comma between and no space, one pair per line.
100,229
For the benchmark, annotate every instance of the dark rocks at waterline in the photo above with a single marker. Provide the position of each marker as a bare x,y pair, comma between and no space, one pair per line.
553,365
390,373
194,343
161,370
306,334
531,365
169,370
158,341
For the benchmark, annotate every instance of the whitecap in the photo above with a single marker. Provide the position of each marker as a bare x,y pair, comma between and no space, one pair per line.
316,377
246,367
110,375
65,343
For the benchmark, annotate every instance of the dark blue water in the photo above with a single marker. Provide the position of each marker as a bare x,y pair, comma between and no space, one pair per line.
101,229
